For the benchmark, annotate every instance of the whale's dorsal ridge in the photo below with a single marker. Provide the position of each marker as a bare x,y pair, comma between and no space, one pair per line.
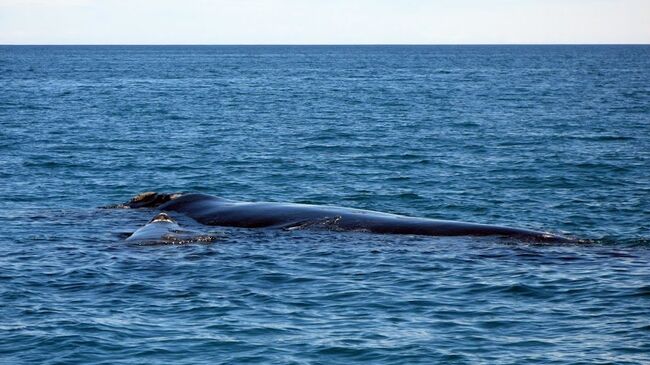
216,211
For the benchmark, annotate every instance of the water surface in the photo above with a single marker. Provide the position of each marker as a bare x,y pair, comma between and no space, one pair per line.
542,137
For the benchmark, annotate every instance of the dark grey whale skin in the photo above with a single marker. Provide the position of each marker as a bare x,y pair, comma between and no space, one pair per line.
215,211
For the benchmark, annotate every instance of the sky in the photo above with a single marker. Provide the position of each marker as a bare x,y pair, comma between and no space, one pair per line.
324,21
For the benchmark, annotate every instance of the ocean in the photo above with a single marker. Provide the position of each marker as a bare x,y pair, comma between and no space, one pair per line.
553,138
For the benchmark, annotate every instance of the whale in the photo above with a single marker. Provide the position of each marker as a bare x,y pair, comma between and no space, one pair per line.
163,229
216,211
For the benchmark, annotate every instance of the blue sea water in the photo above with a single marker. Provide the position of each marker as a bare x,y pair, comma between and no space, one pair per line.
552,138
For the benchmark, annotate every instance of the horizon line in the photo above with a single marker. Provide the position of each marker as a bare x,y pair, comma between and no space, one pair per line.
323,44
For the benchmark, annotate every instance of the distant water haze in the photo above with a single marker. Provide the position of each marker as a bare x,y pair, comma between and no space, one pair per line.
324,22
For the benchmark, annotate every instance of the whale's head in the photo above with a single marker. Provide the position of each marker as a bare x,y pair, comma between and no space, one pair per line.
150,199
162,217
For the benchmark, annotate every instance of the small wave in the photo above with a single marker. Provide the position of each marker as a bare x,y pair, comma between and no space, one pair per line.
643,292
606,138
524,290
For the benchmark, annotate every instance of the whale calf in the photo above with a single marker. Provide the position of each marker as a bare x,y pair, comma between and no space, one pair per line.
215,211
162,229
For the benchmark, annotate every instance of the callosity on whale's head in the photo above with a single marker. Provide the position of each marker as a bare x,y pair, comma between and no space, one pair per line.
163,229
150,199
162,217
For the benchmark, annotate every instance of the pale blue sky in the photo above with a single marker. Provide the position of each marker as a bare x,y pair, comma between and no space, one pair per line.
323,21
